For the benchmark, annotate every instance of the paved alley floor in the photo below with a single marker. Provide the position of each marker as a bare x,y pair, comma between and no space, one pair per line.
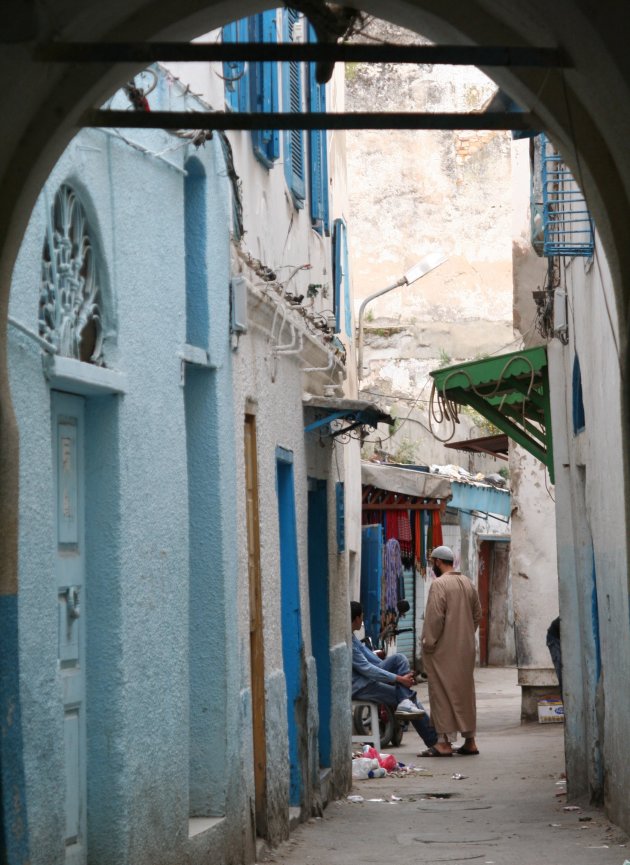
508,809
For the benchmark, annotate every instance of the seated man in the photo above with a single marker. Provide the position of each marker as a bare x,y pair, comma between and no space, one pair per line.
386,681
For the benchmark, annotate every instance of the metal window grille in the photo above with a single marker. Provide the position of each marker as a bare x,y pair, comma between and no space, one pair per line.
567,223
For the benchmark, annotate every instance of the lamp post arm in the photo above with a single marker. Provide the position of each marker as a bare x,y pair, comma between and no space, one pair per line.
369,299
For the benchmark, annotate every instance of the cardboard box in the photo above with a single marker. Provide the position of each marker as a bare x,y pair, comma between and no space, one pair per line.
550,712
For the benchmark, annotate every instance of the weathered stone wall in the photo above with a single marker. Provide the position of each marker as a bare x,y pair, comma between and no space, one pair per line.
412,192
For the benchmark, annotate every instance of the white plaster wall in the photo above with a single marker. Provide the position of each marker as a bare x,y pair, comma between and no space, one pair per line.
533,551
270,384
276,232
589,521
533,564
593,580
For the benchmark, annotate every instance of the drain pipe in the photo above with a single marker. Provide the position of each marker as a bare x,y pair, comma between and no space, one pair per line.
424,266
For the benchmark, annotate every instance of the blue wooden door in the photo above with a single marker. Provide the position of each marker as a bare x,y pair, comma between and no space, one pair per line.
319,605
371,575
406,641
291,614
69,508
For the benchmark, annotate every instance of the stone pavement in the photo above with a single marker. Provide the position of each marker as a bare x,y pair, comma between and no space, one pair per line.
509,809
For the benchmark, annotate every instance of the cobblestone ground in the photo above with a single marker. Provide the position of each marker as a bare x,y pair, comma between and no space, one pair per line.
509,808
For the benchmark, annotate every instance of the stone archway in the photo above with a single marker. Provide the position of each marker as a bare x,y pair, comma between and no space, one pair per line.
576,107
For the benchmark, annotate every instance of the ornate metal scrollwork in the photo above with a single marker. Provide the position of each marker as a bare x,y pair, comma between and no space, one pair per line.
70,297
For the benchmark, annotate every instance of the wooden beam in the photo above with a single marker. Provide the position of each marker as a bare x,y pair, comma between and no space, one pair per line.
146,53
228,120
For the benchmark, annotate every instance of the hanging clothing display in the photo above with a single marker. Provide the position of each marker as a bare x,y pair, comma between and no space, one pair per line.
404,538
392,577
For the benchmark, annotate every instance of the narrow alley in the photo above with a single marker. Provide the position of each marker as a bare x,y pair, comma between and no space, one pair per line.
509,808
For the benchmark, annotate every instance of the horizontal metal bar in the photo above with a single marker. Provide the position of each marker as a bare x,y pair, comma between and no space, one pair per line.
417,506
215,120
195,52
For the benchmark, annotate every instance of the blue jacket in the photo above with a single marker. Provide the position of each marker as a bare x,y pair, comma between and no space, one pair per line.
366,667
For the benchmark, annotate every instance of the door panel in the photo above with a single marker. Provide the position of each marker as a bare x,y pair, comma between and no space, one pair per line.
292,643
318,578
69,508
371,575
483,587
256,636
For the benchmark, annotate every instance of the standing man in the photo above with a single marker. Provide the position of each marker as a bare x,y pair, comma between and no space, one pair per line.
386,681
452,616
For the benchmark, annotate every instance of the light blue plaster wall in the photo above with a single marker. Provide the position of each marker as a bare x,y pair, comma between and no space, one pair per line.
277,758
341,718
137,602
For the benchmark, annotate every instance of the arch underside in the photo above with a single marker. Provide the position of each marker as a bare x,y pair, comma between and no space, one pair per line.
584,110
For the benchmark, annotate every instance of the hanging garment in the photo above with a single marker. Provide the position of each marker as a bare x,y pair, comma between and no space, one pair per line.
392,572
404,537
391,525
437,529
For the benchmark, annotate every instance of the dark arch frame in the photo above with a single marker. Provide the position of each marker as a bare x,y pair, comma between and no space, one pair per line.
576,108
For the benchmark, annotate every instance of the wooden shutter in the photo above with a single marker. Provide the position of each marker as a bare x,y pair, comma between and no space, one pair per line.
292,98
235,72
264,88
318,151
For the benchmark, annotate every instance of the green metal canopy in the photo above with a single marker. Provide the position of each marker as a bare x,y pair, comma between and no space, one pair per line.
509,390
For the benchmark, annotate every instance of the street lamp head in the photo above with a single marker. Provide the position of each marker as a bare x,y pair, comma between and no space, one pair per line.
426,264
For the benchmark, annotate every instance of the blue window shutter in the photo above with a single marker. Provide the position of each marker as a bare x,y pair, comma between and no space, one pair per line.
264,88
292,99
235,72
347,309
338,244
318,151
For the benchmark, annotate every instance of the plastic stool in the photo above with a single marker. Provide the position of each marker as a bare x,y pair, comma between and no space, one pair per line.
375,737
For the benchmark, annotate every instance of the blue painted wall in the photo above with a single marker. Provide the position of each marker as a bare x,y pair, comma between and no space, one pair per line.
14,823
153,484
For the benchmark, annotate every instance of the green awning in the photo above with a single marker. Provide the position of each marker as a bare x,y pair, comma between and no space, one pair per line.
509,390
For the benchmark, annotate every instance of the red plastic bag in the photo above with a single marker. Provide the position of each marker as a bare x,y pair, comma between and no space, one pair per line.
388,762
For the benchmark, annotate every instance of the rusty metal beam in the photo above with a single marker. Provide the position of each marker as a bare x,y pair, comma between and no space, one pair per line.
224,120
195,52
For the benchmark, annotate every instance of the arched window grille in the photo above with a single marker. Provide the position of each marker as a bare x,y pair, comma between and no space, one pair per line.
70,316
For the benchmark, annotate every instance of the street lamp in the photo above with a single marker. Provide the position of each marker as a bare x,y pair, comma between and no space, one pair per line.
424,266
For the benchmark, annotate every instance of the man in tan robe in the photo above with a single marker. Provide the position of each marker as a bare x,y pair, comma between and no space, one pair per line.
448,650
